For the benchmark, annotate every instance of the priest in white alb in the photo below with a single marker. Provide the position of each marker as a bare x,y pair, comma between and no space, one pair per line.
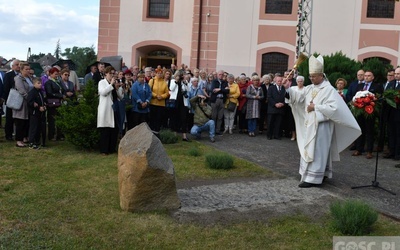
324,125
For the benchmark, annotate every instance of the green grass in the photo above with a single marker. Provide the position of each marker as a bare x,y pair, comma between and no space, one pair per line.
62,198
188,166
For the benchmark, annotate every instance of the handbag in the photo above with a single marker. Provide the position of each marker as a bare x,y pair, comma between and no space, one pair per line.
53,102
14,100
170,103
231,106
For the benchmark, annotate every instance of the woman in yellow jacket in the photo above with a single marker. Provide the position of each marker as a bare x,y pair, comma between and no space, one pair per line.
160,93
231,104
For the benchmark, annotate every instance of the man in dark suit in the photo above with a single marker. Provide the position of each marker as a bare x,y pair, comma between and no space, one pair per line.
99,74
1,96
394,121
266,83
384,115
367,125
9,83
276,108
219,90
287,125
352,90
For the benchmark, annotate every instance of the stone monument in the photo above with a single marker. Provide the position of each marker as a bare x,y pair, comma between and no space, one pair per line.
146,175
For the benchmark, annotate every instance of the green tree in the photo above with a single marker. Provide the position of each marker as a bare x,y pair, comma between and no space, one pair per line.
57,52
81,56
336,66
378,68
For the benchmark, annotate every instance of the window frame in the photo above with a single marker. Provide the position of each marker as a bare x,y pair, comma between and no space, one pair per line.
146,13
149,9
378,11
282,65
288,11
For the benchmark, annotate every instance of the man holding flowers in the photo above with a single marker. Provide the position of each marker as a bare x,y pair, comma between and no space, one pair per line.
394,116
364,101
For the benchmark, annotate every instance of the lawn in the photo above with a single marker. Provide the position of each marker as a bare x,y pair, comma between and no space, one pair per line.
64,198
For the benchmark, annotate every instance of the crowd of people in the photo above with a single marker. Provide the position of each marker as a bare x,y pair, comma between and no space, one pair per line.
34,119
187,101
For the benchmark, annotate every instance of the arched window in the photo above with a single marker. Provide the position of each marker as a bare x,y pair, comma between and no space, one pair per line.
380,8
274,62
382,59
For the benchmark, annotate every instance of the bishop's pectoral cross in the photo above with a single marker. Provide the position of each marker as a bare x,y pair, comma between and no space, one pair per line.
313,95
310,107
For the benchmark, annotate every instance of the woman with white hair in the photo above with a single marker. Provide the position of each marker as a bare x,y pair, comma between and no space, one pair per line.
232,97
299,87
254,94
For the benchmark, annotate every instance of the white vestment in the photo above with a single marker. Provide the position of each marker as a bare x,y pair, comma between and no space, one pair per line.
321,134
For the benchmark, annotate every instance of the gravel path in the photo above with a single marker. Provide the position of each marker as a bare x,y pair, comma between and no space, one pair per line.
252,199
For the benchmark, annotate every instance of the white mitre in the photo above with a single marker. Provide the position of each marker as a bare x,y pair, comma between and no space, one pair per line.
316,65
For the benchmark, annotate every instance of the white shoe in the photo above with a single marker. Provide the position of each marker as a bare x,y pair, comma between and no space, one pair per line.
225,131
230,131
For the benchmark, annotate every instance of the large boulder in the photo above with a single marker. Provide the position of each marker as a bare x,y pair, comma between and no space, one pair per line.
146,175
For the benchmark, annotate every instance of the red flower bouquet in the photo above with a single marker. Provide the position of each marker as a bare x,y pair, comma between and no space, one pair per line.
364,103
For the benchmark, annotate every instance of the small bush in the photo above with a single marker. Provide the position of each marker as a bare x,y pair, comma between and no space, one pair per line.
78,119
168,137
219,161
194,152
353,217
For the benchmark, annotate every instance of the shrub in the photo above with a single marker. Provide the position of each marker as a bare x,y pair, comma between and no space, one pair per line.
219,161
353,217
168,137
194,152
78,119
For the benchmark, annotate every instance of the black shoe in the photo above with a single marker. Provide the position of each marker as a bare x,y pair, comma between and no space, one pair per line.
186,139
353,147
306,185
218,133
9,139
278,138
33,146
388,156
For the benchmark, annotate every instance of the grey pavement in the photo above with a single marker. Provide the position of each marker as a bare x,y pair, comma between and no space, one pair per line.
274,196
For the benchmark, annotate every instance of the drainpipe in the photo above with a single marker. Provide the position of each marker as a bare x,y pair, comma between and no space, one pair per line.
199,34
